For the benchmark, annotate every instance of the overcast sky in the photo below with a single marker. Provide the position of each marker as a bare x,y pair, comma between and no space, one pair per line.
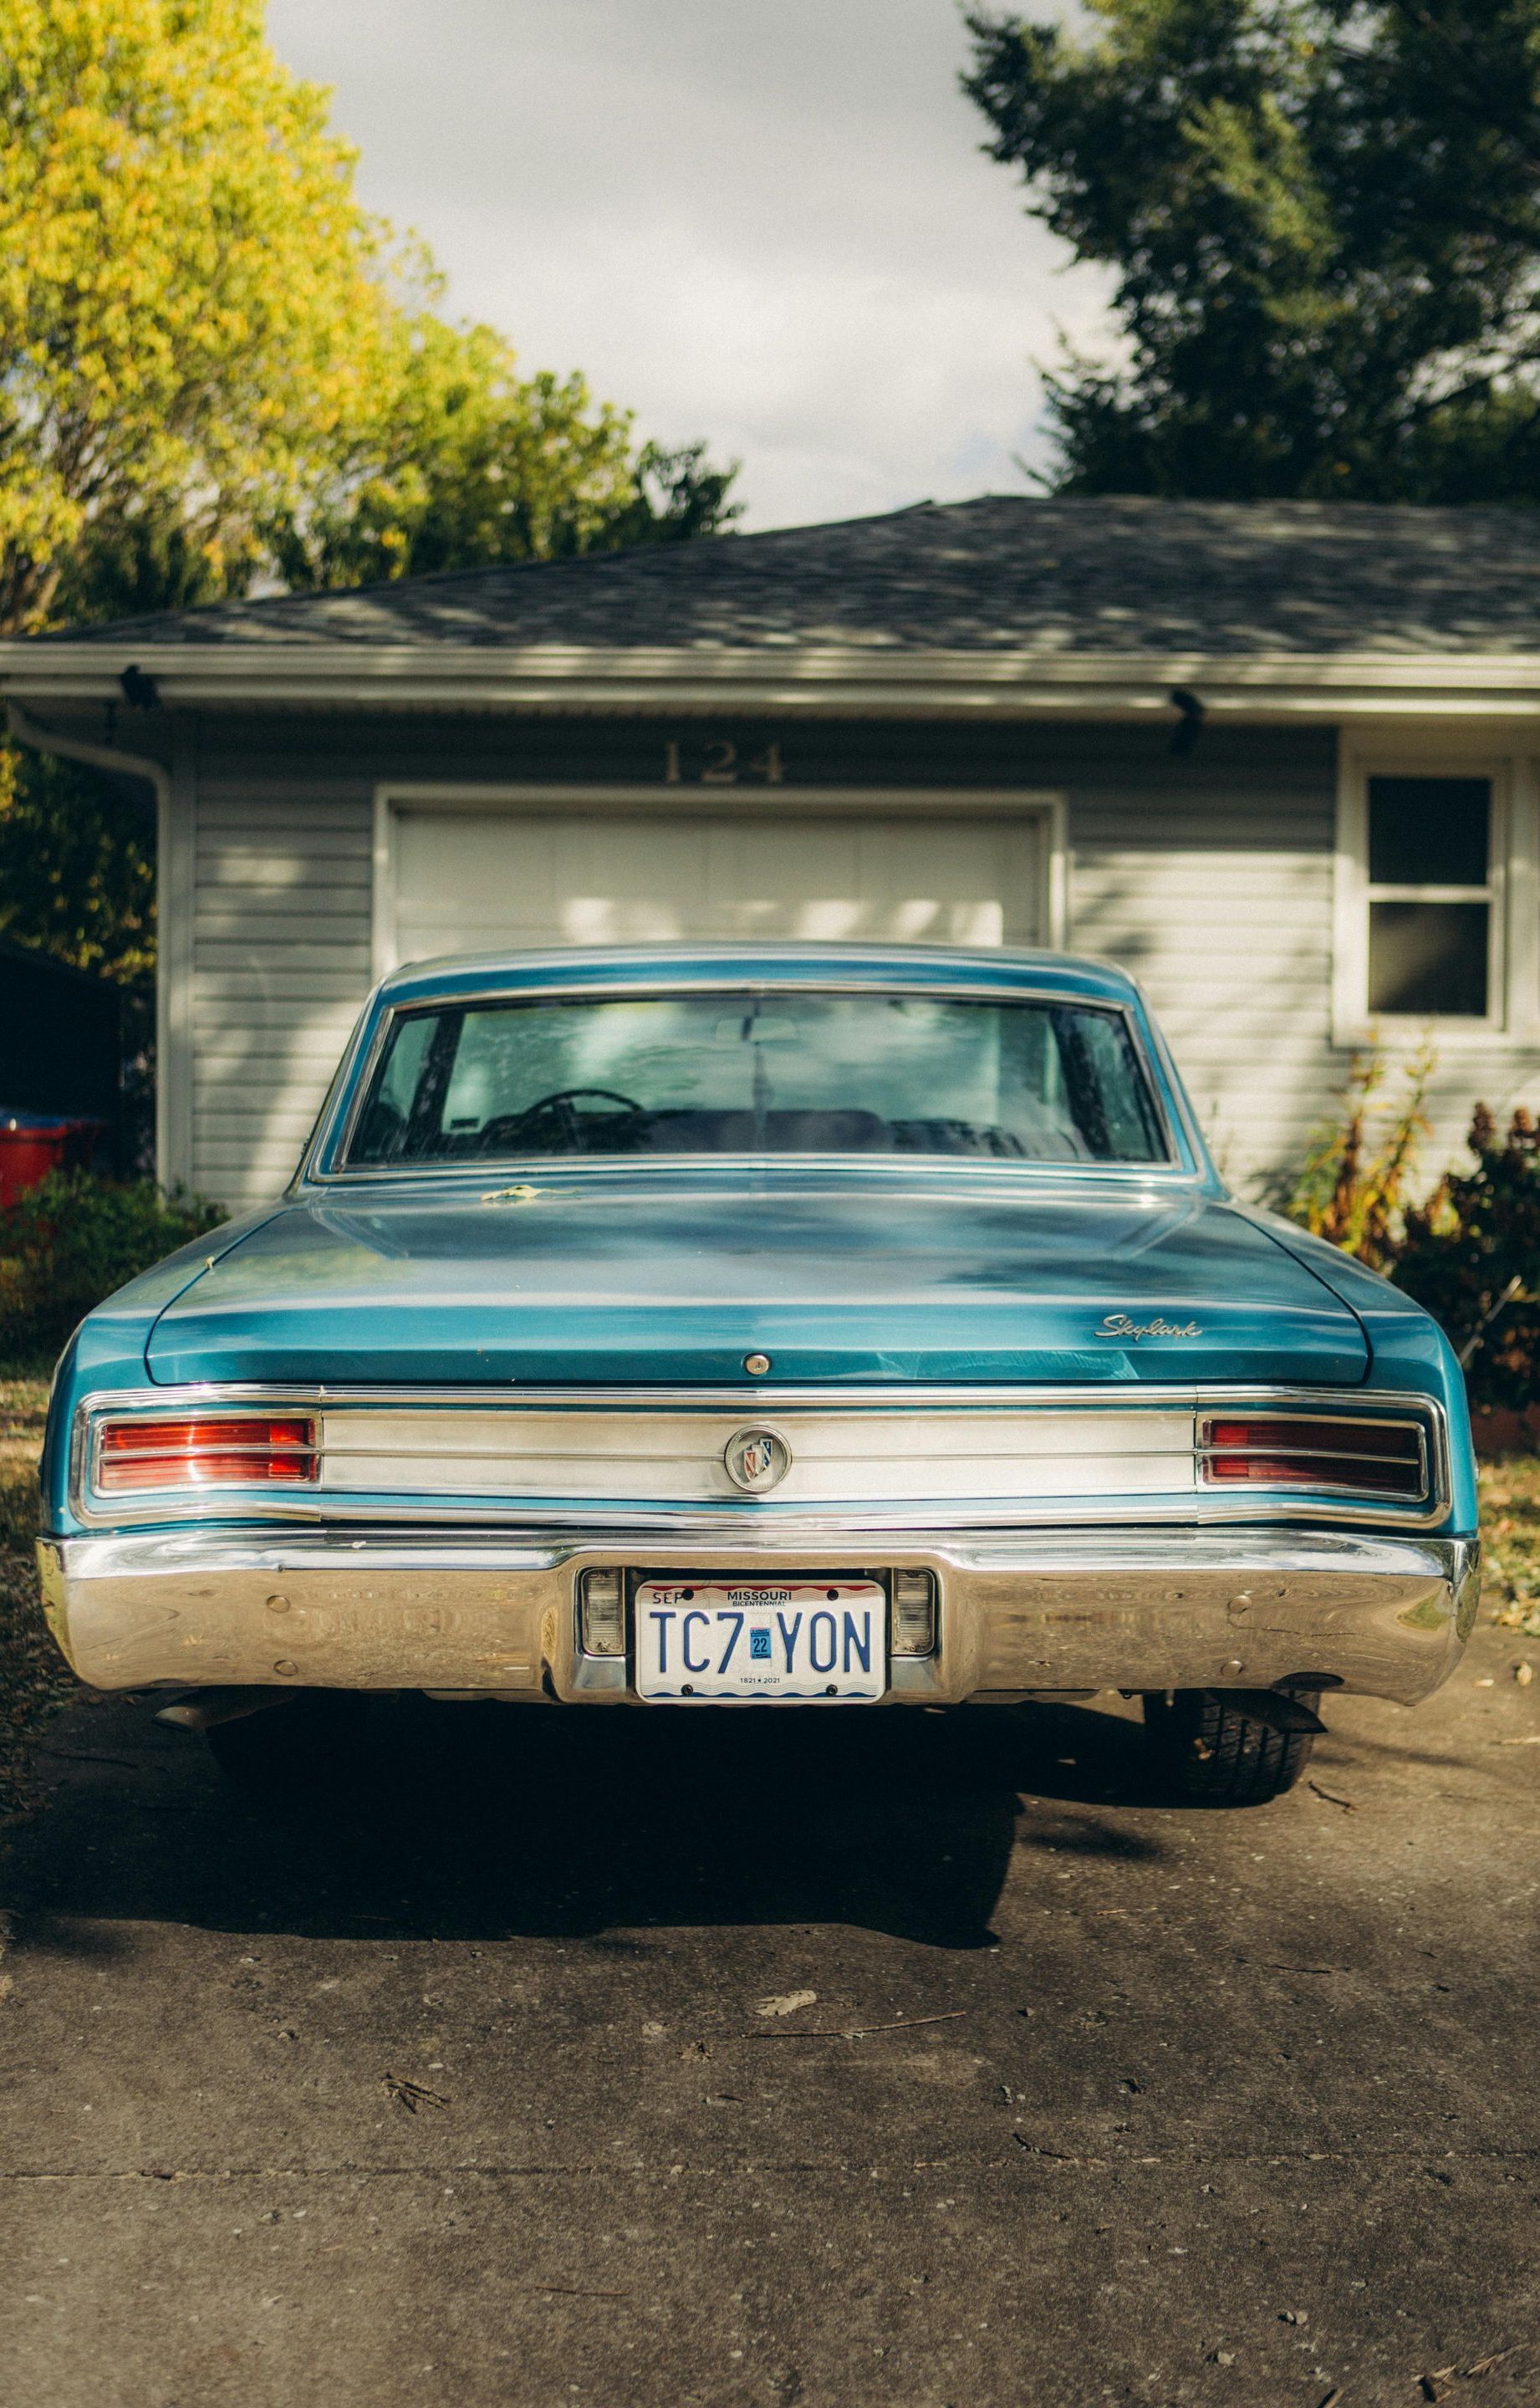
765,221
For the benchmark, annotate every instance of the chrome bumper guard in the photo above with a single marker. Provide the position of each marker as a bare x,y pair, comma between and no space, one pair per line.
1021,1611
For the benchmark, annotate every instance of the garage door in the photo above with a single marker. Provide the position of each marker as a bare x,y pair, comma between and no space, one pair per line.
468,881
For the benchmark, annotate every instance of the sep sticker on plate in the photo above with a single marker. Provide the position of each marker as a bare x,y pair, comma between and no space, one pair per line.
792,1642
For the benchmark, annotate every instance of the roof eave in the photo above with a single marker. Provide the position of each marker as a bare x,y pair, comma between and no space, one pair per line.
814,679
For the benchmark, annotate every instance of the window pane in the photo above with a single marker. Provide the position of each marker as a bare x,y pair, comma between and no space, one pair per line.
1429,831
1428,957
746,1071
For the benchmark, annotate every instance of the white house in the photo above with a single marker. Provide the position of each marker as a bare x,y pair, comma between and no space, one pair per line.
1280,759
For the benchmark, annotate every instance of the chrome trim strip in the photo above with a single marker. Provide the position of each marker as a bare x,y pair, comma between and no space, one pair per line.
220,1508
1209,1454
548,1170
1208,1396
284,1453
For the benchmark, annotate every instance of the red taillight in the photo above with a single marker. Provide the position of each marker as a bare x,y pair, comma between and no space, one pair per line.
1382,1458
205,1450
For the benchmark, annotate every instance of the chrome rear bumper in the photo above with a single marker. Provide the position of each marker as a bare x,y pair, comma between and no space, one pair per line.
1021,1611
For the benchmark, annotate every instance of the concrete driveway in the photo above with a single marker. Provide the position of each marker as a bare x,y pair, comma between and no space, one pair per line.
643,2059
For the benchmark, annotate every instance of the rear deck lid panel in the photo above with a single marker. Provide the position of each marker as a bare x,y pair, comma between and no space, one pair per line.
603,1277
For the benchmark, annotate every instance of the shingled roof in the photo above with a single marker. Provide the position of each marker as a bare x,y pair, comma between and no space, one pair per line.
1004,573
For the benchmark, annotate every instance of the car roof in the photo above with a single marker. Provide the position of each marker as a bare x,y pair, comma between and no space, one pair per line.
990,970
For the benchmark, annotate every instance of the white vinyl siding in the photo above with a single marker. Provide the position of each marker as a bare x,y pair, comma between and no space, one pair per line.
1211,879
280,964
1229,921
1234,951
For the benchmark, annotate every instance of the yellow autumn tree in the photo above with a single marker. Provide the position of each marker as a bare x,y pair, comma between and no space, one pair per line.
213,360
216,365
463,462
193,309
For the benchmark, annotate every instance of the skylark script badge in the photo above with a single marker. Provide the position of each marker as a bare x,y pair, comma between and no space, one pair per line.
1118,1324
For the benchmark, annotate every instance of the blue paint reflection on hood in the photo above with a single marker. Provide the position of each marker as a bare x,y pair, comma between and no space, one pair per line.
876,1273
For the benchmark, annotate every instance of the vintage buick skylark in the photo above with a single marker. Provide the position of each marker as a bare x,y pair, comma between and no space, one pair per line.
794,1324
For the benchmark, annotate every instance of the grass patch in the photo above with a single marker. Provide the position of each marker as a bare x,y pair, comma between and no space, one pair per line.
1510,1519
35,1680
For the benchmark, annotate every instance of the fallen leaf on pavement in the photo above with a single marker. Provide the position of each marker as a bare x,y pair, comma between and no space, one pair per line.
409,2094
1523,1673
1485,2365
859,2031
129,1763
572,2291
788,2004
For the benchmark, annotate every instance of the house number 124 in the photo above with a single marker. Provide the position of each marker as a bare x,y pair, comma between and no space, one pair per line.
719,766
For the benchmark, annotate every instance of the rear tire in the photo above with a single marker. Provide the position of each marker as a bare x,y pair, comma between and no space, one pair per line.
1209,1754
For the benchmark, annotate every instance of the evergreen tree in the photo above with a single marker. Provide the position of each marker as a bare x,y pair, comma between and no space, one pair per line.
1323,220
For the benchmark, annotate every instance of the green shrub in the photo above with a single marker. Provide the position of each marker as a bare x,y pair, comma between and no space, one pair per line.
1470,1253
1353,1188
71,1240
1472,1256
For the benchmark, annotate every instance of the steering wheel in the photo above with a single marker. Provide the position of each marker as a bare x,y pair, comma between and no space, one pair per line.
556,1108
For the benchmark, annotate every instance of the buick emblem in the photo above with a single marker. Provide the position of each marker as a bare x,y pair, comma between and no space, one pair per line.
757,1460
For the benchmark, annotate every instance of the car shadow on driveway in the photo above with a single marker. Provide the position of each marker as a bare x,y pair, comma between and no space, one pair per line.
484,1822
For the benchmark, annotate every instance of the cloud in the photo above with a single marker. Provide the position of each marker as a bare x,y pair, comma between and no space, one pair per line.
771,226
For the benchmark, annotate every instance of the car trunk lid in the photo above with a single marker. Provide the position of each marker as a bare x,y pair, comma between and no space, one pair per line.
620,1279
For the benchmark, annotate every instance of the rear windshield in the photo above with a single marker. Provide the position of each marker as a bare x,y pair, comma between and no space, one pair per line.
758,1074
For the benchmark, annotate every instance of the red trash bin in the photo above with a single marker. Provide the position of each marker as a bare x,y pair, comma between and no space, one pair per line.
34,1143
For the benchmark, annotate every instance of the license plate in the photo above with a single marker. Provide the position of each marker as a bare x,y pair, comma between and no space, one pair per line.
785,1641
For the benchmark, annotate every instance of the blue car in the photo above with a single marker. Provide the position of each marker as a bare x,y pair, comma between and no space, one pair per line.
792,1325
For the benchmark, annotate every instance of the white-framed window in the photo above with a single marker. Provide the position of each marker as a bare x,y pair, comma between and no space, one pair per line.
1433,891
1424,853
